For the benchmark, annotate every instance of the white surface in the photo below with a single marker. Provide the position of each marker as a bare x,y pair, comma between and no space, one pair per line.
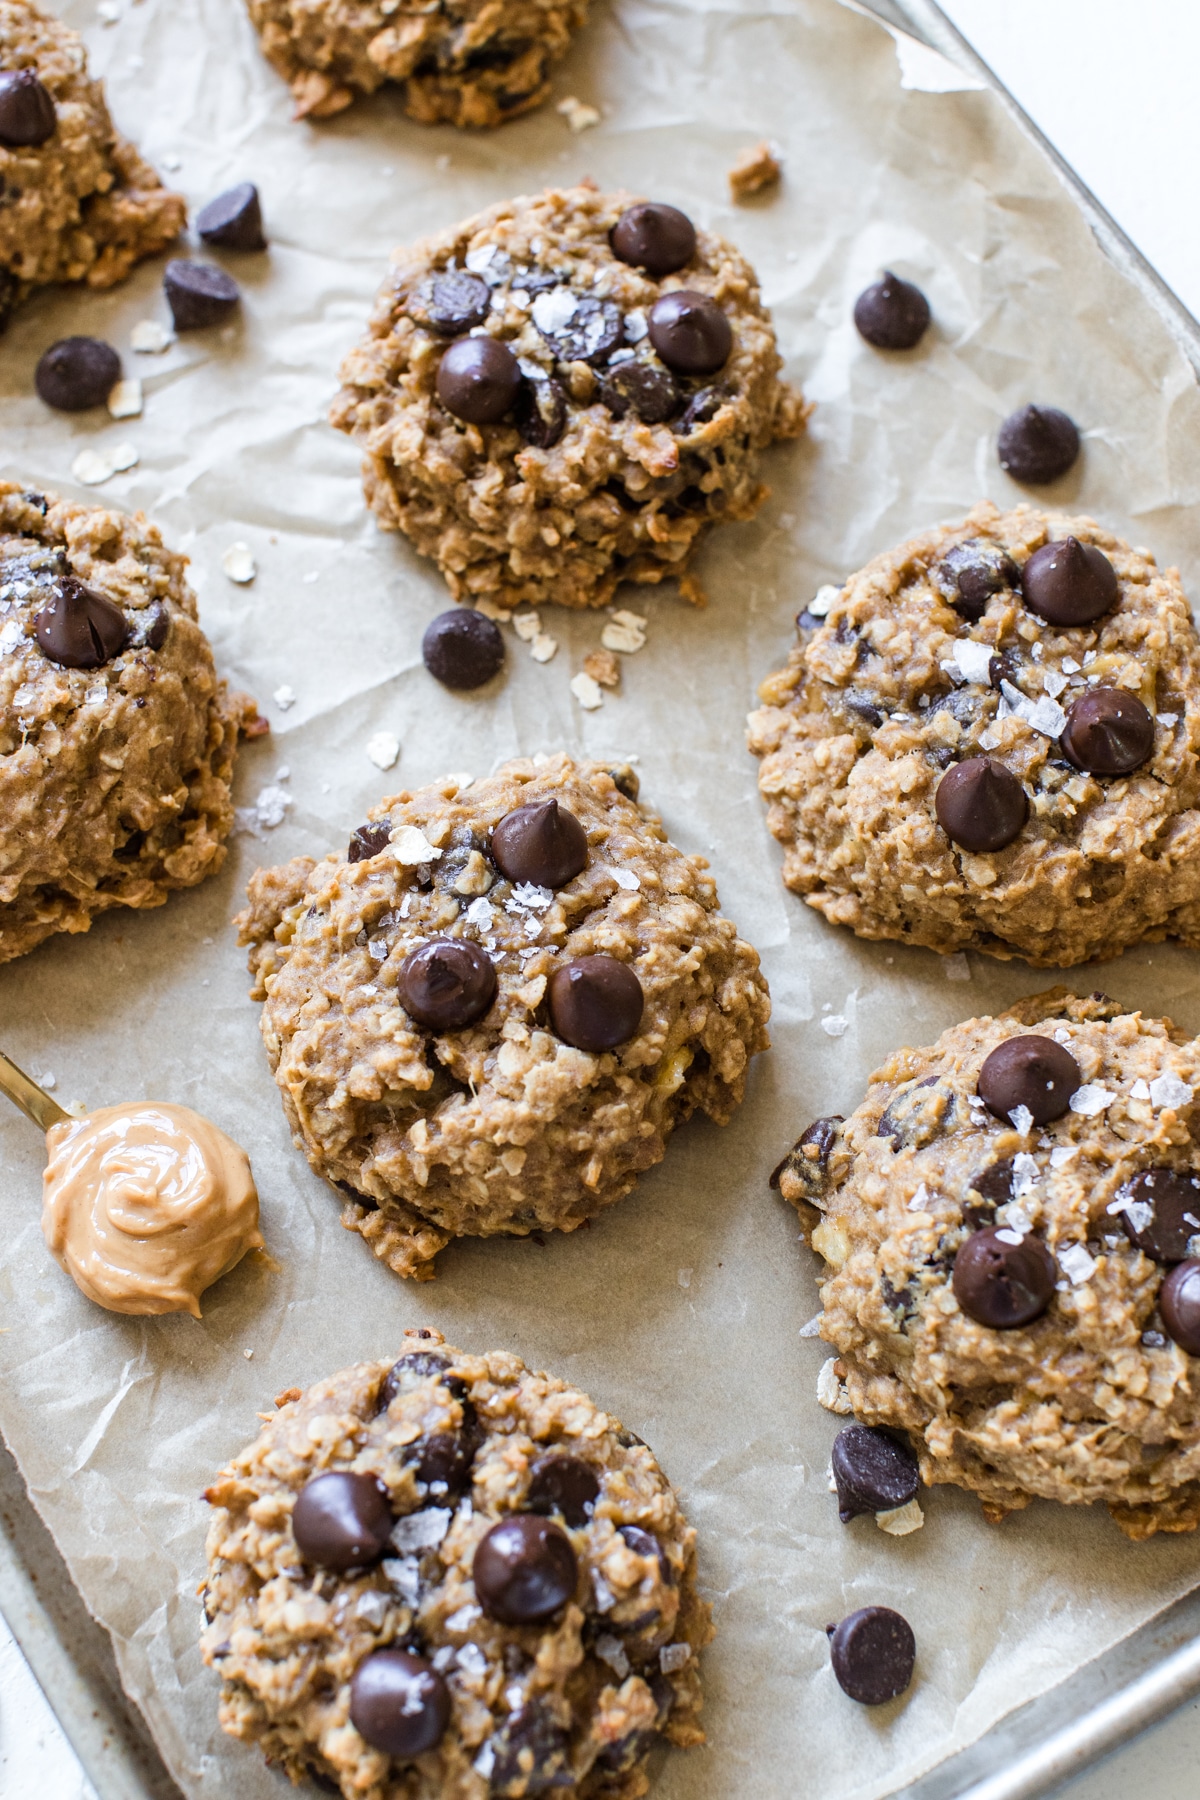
35,1757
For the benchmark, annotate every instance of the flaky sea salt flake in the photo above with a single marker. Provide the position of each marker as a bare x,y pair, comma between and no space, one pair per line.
284,697
1140,1090
1021,1119
422,1530
1169,1090
956,967
411,847
835,1025
1093,1098
1077,1264
673,1657
972,660
813,1328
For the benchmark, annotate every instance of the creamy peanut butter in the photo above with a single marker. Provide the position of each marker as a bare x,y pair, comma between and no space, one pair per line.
147,1205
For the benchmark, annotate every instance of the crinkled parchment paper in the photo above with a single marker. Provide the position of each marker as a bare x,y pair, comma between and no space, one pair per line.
680,1310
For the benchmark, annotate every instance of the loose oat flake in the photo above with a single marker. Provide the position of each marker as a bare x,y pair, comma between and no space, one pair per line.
91,467
586,691
384,750
239,564
125,399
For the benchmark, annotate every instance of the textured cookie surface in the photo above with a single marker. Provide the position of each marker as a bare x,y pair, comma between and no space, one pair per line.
114,780
572,1704
1091,1401
464,62
611,498
501,1126
876,704
82,206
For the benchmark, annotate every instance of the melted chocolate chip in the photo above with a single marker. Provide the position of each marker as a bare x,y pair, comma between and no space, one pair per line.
592,332
874,1472
524,1569
596,1003
1179,1304
478,379
981,805
690,332
654,237
1108,732
644,1543
369,840
636,387
1031,1071
410,1371
542,843
233,220
565,1485
447,984
995,1182
969,574
873,1654
807,1162
399,1703
1003,1285
76,373
80,628
702,407
199,294
341,1520
1006,666
27,114
462,648
540,413
531,1754
457,302
1069,583
1164,1212
1038,444
892,314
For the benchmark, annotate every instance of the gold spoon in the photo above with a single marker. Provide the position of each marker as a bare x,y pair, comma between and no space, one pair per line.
33,1101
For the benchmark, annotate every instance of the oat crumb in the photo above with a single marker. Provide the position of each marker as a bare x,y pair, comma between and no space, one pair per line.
756,168
578,114
603,667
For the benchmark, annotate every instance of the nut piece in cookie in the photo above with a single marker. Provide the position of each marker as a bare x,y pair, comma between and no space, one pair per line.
524,990
521,1631
990,740
1013,1269
117,740
612,403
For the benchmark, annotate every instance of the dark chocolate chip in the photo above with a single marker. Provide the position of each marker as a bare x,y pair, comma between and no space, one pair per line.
458,301
1031,1071
442,1460
530,1754
1003,1285
644,1543
969,574
654,237
542,843
10,289
27,114
540,412
981,805
79,627
1108,732
892,314
76,373
411,1371
399,1703
478,380
1038,444
341,1520
1006,666
1179,1304
590,335
1164,1214
369,840
874,1472
1069,583
995,1182
199,294
650,394
462,648
863,708
873,1654
447,984
702,407
690,332
524,1569
566,1485
158,624
808,1159
234,219
596,1003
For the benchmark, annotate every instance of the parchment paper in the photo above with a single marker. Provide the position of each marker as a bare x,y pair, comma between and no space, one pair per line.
680,1309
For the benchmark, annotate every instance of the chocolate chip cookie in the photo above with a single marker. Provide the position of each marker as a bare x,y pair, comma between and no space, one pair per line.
117,741
565,392
461,62
77,203
489,1014
988,741
1011,1223
451,1575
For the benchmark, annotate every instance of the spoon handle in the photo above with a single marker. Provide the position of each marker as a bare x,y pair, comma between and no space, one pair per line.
32,1100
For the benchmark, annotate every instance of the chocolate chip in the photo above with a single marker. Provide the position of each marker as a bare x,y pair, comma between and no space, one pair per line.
969,574
1179,1304
457,302
566,1485
462,648
540,412
654,237
981,805
79,627
1038,444
234,219
524,1569
892,314
369,840
690,332
10,289
807,1162
874,1472
442,1460
198,294
1069,583
341,1520
995,1182
478,380
399,1703
1000,1284
1030,1071
647,392
156,628
873,1653
27,115
644,1543
702,407
1006,666
531,1754
590,335
76,373
1165,1212
542,843
1108,732
410,1371
447,984
595,1002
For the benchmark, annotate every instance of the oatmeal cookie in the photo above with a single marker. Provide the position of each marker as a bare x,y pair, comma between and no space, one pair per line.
117,741
79,202
453,1576
461,62
564,393
1010,1221
491,1013
988,741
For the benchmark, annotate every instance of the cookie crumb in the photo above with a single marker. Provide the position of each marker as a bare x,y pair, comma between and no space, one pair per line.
384,750
603,668
755,169
239,564
578,114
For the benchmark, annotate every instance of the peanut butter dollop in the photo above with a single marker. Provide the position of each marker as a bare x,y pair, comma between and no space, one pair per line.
147,1205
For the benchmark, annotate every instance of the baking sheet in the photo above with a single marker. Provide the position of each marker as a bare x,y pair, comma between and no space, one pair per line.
680,1309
